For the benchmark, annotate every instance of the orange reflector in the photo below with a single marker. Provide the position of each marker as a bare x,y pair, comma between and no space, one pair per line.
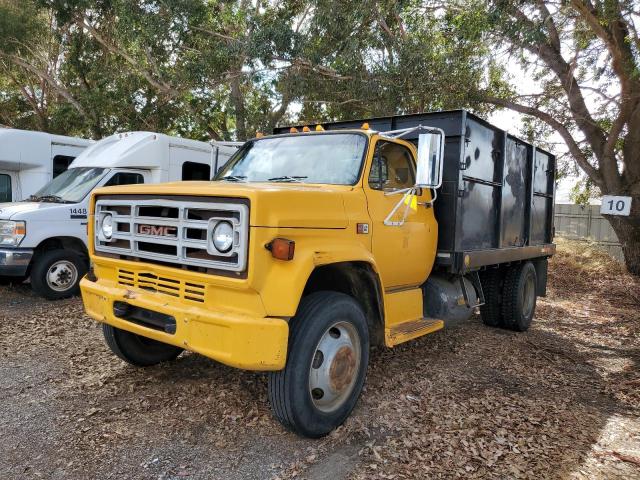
293,130
259,134
365,126
319,128
306,129
281,248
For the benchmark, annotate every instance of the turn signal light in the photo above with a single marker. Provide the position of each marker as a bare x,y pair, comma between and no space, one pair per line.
281,248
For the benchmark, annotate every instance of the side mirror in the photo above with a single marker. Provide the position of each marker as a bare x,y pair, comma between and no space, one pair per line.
430,159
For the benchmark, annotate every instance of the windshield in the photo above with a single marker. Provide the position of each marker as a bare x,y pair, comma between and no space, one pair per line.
71,186
318,158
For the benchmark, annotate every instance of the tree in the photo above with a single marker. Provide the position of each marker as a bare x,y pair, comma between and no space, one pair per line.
585,56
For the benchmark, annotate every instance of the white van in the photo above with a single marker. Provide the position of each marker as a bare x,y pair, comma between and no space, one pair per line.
29,160
45,237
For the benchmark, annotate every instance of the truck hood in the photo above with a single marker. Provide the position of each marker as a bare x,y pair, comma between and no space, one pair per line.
283,205
34,211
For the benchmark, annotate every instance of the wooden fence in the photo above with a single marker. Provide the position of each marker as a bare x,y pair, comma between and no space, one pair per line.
585,223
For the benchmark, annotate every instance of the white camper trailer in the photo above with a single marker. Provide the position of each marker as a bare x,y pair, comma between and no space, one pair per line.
29,160
46,237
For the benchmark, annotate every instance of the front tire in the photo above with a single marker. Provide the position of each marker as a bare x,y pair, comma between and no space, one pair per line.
56,274
326,365
137,350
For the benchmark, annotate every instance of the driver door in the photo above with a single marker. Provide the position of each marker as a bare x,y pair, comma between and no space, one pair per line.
404,254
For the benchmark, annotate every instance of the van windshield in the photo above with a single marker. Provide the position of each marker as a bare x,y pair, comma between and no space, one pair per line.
71,186
334,159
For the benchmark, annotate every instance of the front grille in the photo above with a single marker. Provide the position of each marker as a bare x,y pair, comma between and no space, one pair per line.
173,287
173,231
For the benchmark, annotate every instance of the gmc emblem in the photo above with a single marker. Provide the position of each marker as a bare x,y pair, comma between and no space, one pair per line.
157,230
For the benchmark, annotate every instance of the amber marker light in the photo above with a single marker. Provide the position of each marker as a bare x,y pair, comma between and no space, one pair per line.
293,130
319,128
365,126
281,248
259,134
306,129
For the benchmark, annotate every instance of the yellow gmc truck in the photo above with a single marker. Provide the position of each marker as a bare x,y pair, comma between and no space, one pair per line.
314,244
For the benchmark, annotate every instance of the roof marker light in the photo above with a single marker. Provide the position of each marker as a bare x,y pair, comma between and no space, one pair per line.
259,134
319,128
306,129
365,126
293,130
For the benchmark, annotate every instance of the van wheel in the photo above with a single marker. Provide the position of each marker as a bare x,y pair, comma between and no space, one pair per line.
326,365
138,350
490,312
519,297
56,274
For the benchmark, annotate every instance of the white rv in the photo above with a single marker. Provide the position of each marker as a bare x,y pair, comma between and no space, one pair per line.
29,160
45,237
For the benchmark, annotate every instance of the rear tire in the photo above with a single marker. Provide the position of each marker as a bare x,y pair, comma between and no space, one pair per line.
519,297
57,273
326,365
491,312
138,350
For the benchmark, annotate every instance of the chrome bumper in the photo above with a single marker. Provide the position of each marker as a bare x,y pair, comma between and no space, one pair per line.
14,262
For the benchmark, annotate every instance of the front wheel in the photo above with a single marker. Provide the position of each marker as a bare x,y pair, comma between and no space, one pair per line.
138,350
326,365
56,274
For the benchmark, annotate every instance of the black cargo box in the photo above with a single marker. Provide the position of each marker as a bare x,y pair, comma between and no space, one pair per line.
496,200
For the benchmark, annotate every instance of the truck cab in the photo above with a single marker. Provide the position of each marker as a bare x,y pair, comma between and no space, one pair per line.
308,248
45,236
28,160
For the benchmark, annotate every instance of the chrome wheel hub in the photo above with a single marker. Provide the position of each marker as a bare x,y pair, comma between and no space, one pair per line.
335,366
62,276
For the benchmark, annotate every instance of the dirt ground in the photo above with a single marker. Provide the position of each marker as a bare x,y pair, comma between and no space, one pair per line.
560,401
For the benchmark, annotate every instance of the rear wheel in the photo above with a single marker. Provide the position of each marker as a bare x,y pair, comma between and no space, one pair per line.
326,365
519,297
491,312
138,350
56,274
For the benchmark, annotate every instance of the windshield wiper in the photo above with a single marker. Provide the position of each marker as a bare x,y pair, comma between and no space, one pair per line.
288,178
48,198
234,178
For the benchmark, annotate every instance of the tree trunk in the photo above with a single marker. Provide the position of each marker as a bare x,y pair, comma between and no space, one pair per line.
628,231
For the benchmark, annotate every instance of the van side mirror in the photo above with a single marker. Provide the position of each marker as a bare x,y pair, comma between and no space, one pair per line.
430,159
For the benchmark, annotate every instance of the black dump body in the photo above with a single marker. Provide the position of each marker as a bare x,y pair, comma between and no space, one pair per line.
495,204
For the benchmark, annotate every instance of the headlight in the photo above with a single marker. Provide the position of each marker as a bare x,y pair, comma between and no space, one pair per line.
106,226
223,237
12,233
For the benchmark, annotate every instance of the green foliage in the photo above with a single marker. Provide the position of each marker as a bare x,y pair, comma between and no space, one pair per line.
226,69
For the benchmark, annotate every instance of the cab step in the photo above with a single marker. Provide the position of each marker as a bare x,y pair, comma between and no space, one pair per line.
405,331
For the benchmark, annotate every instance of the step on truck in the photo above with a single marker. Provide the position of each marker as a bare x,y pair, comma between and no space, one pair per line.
45,236
29,160
318,242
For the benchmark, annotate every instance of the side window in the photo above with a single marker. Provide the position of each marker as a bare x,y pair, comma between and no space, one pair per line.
392,168
125,178
61,164
5,188
196,171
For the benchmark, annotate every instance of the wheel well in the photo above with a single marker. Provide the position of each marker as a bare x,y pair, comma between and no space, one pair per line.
67,243
358,280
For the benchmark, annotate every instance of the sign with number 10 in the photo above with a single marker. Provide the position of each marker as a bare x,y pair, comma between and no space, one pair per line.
612,205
